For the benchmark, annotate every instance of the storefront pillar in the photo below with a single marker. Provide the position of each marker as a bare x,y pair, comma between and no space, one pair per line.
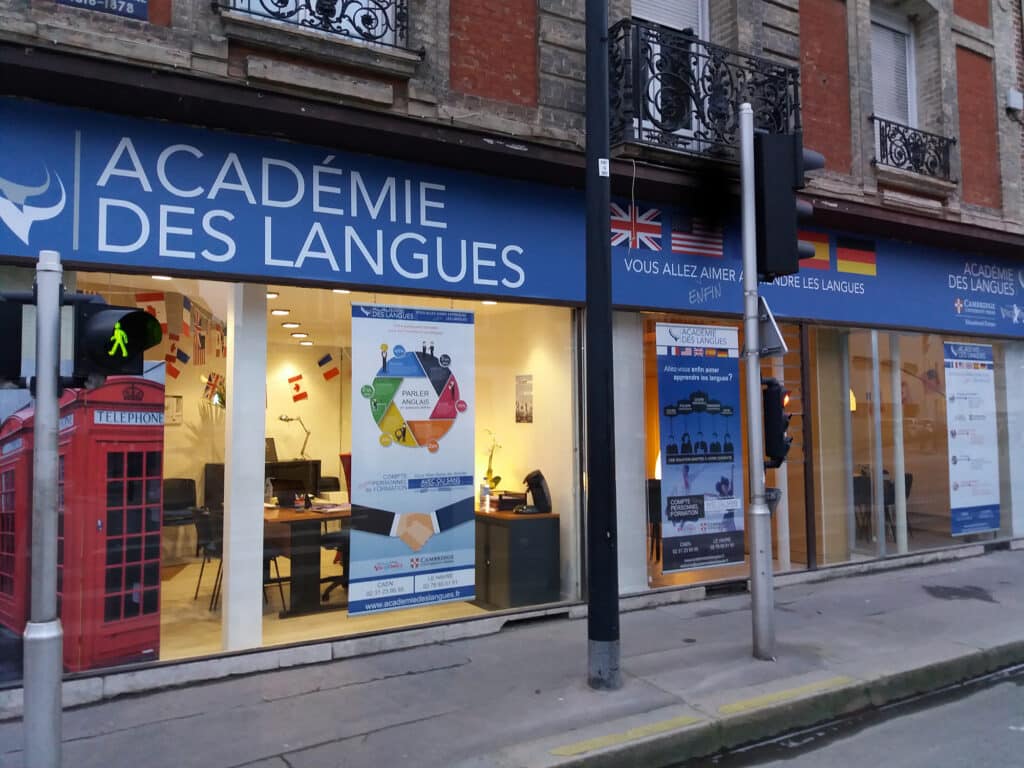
898,477
630,463
242,620
846,394
782,549
877,486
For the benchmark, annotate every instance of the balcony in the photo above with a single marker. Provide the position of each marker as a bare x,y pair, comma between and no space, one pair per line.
672,91
385,22
909,149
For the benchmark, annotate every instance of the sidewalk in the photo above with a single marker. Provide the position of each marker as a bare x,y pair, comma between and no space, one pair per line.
519,698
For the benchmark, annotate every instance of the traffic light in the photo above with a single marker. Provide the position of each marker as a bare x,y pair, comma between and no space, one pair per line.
776,423
10,349
111,340
780,162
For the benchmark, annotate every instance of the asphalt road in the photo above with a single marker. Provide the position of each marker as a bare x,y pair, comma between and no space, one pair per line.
979,727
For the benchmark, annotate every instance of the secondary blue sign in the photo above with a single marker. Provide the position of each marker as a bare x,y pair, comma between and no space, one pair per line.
109,190
132,9
668,259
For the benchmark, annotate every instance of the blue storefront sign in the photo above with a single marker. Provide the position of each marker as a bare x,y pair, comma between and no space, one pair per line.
149,195
109,190
665,258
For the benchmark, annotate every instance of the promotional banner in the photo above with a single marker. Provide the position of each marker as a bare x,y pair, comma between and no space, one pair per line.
666,257
412,458
973,439
701,450
105,189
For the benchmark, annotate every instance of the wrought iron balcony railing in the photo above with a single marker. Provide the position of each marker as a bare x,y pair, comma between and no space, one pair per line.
372,21
906,148
672,90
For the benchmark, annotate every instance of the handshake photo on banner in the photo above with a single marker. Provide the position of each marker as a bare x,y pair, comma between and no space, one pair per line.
413,528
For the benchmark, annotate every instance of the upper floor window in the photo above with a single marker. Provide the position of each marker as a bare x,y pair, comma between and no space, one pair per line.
675,14
892,68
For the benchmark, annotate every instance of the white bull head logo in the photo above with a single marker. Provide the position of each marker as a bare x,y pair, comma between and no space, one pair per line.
18,215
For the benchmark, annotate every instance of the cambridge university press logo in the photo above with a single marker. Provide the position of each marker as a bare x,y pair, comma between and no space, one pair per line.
18,215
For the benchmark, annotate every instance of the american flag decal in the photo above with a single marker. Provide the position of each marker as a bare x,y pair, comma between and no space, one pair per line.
697,238
635,227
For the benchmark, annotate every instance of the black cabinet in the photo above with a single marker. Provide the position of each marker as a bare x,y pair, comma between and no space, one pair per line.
517,560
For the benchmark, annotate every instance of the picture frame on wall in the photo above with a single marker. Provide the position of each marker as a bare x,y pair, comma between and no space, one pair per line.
173,410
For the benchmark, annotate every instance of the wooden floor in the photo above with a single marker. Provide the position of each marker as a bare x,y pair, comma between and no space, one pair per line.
188,628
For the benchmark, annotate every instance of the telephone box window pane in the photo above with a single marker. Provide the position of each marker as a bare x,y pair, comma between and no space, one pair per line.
115,465
112,608
115,494
113,580
153,519
134,497
115,522
150,601
153,491
114,552
134,520
132,578
135,464
131,605
152,547
151,575
133,550
60,550
153,463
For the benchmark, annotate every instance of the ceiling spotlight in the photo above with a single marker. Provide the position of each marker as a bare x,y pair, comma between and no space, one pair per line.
161,277
280,312
290,324
341,290
488,302
272,294
306,343
300,335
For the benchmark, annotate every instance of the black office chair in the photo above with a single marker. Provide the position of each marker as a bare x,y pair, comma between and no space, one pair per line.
862,505
890,502
210,539
179,501
340,541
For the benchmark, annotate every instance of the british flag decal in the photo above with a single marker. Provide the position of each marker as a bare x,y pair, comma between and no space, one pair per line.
635,227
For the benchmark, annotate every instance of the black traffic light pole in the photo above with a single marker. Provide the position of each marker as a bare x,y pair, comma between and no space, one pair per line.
602,563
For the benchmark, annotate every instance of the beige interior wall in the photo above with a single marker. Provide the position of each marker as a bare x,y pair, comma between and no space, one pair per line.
539,341
831,482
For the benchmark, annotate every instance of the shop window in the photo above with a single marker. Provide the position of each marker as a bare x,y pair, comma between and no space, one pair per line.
921,459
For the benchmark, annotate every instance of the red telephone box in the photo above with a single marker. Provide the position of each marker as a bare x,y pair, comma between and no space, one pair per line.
110,453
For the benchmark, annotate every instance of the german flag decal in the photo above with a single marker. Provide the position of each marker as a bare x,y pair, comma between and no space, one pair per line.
856,256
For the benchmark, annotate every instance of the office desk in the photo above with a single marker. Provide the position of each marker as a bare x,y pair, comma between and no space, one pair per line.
302,543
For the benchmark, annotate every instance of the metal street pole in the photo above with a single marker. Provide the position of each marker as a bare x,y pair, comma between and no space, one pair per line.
602,559
43,633
761,576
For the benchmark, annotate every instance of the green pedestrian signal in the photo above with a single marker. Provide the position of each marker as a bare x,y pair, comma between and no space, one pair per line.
119,338
111,340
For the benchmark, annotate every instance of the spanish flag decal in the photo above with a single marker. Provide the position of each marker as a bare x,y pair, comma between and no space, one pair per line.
857,256
820,241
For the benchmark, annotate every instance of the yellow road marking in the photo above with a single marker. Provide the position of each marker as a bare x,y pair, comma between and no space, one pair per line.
790,693
612,739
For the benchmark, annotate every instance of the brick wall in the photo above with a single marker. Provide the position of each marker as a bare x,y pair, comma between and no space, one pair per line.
494,49
979,140
825,81
972,10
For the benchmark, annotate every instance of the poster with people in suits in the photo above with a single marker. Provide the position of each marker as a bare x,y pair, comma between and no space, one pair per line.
412,540
700,447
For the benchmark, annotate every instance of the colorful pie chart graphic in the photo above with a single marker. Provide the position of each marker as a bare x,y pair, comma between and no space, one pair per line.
414,399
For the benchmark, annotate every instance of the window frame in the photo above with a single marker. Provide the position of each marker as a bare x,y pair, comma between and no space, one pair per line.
900,24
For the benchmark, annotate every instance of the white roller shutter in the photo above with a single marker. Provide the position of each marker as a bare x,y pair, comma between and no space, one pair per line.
676,14
890,73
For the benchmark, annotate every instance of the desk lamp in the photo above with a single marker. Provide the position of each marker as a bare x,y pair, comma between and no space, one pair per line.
302,453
